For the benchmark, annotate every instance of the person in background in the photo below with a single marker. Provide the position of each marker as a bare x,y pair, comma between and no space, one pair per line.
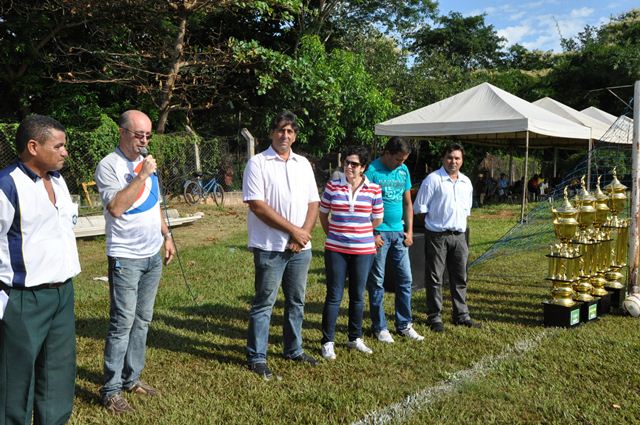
533,187
350,208
393,238
503,187
38,260
445,198
135,231
280,188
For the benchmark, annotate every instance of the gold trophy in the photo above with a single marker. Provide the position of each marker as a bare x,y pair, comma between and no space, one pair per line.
564,257
618,247
590,245
565,263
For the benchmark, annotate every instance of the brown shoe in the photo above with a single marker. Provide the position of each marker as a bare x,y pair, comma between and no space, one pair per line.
117,405
143,388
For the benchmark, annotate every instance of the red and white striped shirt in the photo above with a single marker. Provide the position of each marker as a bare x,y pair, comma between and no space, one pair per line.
350,229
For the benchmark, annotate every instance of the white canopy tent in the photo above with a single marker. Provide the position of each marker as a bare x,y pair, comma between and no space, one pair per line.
490,116
599,114
598,128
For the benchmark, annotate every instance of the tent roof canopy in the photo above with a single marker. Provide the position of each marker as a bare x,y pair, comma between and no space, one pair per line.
598,128
599,114
490,116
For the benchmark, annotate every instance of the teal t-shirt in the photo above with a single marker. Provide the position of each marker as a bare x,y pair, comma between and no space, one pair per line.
394,184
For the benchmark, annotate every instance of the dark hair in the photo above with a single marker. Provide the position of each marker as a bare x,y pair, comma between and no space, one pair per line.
397,145
35,127
453,147
361,151
287,117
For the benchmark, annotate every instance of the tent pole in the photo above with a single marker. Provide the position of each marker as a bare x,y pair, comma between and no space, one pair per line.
635,197
511,164
525,180
589,161
555,162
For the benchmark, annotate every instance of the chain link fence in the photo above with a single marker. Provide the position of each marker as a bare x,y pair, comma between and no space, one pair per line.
222,157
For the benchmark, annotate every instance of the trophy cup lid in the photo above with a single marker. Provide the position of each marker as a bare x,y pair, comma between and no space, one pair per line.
601,197
583,195
566,208
615,186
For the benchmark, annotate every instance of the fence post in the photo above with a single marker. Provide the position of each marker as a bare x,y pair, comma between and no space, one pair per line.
196,148
251,142
635,196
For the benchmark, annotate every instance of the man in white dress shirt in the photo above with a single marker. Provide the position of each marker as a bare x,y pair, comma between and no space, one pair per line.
445,198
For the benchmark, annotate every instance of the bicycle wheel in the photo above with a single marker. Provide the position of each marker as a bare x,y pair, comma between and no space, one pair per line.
218,194
192,192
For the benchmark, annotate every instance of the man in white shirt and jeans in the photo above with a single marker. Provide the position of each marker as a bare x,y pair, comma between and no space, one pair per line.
280,188
445,198
135,231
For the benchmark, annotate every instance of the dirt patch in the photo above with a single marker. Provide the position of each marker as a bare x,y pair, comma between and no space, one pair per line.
218,223
499,213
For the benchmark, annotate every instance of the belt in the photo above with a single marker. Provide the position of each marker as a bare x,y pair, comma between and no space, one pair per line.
35,288
446,232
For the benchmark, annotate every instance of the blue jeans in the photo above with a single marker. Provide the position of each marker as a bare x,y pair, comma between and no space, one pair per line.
337,266
133,284
273,267
393,246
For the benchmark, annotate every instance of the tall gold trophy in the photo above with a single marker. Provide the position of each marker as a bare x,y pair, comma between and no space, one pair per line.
618,247
564,269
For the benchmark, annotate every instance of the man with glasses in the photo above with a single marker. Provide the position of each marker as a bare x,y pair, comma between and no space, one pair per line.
135,231
393,239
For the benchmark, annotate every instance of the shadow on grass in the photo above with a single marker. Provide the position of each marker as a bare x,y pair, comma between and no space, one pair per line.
88,396
162,339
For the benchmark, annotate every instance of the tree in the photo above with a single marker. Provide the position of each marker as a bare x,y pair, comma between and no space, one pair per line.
467,41
331,19
608,56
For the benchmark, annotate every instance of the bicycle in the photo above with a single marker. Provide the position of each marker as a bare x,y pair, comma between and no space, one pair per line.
195,190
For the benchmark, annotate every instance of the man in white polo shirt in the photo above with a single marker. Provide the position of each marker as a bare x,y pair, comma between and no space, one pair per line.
38,258
135,230
281,191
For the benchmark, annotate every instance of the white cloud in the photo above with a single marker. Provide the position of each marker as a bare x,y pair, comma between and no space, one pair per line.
517,16
583,12
514,34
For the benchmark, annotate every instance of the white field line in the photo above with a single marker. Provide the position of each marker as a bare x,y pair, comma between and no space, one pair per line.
413,403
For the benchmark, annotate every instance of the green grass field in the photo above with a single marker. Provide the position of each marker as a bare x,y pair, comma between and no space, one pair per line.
511,371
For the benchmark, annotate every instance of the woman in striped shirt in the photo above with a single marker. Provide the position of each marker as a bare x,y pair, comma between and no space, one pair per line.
350,208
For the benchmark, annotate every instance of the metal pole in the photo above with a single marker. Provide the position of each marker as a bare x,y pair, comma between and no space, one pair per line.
555,162
524,180
589,161
635,198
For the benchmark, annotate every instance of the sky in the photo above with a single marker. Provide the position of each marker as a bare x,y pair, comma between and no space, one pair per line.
532,23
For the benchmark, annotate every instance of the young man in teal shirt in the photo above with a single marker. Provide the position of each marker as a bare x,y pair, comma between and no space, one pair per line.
393,238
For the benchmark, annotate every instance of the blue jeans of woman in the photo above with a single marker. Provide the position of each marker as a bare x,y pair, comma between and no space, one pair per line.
338,266
273,267
133,284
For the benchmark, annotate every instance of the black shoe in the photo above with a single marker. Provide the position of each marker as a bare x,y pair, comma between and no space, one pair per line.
262,370
436,327
468,323
305,358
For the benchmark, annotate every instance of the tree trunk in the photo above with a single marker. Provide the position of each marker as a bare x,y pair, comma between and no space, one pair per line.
176,64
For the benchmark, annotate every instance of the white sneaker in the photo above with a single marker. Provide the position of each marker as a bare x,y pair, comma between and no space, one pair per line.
328,352
384,336
358,344
411,333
